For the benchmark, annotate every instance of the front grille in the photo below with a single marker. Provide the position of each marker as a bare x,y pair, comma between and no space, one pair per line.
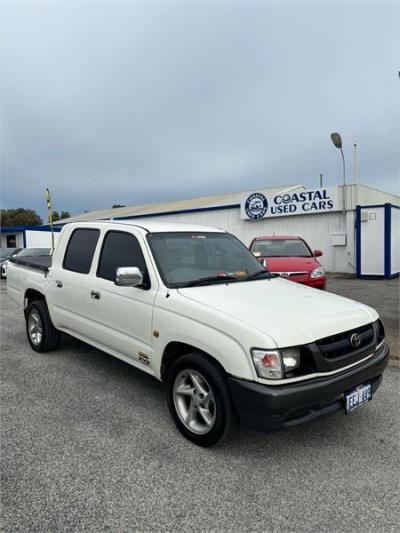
340,344
291,274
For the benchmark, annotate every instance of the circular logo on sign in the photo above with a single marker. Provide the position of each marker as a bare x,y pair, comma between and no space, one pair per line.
256,205
355,340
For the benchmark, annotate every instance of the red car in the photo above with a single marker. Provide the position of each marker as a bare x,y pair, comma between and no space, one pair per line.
291,258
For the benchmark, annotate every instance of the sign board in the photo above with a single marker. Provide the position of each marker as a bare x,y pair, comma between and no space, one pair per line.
257,206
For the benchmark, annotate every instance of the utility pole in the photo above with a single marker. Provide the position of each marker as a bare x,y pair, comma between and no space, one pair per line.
355,172
337,141
355,163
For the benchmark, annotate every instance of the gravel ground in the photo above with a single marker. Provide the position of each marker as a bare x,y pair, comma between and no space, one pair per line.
88,445
383,295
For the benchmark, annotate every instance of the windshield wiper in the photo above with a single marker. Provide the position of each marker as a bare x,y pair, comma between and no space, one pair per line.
265,272
211,279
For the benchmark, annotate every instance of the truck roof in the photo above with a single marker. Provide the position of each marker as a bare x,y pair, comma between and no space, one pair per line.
151,226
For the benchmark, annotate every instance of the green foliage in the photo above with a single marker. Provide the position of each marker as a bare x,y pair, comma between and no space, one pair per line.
58,216
20,217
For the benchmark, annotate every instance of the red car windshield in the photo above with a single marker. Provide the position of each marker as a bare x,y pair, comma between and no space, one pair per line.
281,248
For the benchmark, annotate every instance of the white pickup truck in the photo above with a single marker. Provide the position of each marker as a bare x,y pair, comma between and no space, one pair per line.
193,307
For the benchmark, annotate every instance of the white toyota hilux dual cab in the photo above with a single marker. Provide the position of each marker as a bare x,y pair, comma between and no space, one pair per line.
193,307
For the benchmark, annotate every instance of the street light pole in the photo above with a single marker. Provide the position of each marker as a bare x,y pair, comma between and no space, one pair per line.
337,141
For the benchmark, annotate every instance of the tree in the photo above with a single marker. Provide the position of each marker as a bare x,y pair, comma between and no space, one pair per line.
57,216
20,217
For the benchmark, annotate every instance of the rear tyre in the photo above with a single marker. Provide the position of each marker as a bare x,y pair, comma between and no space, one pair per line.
198,399
42,335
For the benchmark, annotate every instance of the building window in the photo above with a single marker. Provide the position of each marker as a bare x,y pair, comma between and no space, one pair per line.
11,241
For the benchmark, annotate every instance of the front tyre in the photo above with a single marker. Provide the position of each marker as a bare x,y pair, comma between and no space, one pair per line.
42,335
198,399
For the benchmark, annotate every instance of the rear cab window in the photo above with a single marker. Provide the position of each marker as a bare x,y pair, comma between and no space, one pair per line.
80,250
121,249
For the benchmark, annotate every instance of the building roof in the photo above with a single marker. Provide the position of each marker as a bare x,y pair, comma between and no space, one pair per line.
356,194
372,195
203,203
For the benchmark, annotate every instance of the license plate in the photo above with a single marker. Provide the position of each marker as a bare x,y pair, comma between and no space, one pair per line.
357,397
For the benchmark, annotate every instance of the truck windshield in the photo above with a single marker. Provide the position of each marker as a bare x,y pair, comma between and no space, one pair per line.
188,259
280,248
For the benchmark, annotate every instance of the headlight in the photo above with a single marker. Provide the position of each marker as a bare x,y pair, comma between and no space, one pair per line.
291,358
318,272
271,364
268,363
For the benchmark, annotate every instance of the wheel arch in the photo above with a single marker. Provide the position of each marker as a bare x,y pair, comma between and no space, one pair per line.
176,349
31,295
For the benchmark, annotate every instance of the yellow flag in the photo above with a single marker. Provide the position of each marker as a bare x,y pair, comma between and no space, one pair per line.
50,212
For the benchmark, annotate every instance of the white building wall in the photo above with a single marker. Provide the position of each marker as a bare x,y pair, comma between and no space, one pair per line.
318,230
333,233
395,258
40,239
34,239
19,237
373,243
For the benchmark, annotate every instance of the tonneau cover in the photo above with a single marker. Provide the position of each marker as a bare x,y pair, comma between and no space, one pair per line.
42,262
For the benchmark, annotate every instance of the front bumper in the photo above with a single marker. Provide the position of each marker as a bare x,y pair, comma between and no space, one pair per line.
270,407
318,283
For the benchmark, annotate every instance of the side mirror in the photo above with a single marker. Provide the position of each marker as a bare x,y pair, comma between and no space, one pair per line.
317,253
128,277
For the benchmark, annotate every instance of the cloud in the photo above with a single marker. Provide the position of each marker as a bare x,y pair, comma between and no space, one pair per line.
139,102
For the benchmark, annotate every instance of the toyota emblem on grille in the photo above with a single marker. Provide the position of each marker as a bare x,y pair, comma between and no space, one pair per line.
355,340
284,274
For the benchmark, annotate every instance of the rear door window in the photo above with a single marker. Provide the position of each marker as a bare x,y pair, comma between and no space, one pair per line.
121,249
80,250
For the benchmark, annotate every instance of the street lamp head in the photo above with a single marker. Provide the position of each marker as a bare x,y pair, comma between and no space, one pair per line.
337,140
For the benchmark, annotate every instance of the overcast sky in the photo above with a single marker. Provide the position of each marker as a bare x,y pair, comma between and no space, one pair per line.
137,102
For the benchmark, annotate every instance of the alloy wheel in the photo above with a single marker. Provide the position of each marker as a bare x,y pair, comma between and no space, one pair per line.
35,328
194,401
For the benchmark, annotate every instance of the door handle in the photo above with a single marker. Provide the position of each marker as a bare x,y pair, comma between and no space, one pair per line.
59,283
95,295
